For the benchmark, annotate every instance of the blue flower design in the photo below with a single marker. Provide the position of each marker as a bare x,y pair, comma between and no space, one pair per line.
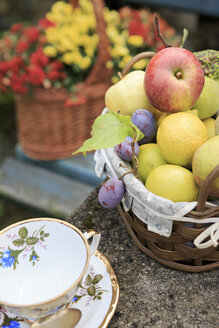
34,258
13,324
74,299
7,260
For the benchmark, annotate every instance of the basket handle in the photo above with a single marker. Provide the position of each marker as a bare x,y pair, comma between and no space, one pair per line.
204,190
135,59
99,68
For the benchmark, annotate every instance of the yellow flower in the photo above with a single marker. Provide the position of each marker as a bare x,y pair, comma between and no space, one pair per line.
50,51
111,16
109,64
115,79
67,58
52,34
66,44
62,7
136,40
141,64
118,51
84,63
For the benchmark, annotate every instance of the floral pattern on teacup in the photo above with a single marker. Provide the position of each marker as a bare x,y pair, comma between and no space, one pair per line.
7,320
25,244
90,288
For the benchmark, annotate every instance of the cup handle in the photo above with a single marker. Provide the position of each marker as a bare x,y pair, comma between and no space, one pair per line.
95,242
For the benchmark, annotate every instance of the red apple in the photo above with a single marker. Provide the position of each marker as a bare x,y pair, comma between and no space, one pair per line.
173,80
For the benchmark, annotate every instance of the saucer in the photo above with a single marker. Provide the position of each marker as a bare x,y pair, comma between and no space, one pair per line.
97,297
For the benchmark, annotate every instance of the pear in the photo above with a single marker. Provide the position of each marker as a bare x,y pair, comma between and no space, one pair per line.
128,95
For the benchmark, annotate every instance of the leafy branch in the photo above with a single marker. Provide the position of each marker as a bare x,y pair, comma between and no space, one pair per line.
109,130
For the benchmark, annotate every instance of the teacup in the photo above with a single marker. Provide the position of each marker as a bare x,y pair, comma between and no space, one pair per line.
42,262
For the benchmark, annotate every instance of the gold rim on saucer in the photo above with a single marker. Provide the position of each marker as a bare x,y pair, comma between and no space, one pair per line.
115,289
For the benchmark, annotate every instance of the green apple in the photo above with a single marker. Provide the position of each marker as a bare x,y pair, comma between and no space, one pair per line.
128,95
208,102
210,125
149,157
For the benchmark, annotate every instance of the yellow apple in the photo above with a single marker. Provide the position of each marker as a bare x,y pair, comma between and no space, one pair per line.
208,102
128,95
210,125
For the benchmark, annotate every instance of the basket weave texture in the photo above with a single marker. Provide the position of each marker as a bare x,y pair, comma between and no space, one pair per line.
48,130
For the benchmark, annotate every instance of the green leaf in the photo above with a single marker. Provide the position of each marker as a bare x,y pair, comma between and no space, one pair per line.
46,235
97,279
88,280
184,37
32,240
91,291
42,239
23,232
41,232
108,131
18,242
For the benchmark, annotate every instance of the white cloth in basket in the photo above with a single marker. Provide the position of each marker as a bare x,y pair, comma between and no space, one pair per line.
157,212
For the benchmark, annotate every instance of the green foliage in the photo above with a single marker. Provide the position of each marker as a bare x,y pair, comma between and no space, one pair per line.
209,60
110,130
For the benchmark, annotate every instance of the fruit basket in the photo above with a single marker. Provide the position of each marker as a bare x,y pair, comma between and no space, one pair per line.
160,228
178,232
166,231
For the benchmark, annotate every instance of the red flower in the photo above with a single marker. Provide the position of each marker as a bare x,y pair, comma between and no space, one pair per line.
38,58
56,65
32,34
136,27
135,14
4,67
53,75
22,46
36,75
45,23
76,101
18,84
15,64
7,42
16,27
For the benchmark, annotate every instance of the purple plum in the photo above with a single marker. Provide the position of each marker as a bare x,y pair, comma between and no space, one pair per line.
124,150
111,193
146,123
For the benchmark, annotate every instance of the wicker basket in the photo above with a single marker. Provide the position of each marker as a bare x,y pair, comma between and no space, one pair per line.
46,129
178,251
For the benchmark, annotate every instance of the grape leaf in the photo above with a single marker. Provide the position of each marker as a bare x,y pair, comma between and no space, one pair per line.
108,130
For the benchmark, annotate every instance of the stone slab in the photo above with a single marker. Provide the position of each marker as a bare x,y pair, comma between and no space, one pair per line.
41,189
78,168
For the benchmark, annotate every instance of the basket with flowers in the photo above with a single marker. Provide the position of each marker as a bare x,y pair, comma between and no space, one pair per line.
60,69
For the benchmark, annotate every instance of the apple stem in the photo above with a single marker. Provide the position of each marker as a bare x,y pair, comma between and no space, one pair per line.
120,75
178,75
167,45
